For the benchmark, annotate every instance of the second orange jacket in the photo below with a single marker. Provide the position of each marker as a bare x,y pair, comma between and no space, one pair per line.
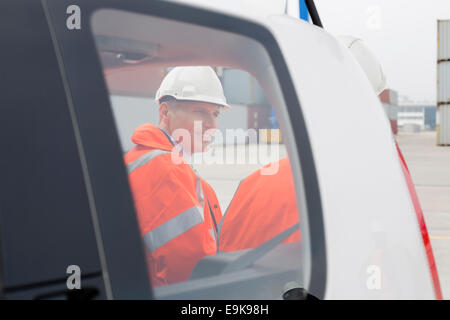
262,207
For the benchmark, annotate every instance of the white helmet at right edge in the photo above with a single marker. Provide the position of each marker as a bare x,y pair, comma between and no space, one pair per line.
367,60
199,83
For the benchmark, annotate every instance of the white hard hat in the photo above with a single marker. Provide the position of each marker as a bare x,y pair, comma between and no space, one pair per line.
192,84
367,60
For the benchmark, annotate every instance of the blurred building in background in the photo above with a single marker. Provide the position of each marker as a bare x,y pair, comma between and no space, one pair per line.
422,117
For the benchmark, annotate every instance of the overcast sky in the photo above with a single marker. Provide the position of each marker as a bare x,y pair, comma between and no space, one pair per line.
402,33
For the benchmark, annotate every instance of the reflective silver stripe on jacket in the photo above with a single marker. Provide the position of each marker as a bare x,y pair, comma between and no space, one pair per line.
173,228
144,159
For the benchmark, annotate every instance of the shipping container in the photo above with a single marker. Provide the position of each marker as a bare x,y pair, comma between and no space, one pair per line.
389,96
443,82
443,40
270,136
242,88
389,99
393,112
259,117
234,118
394,126
393,98
443,127
390,111
430,117
386,108
384,96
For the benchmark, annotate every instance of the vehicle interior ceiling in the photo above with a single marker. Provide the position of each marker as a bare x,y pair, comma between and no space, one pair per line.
135,59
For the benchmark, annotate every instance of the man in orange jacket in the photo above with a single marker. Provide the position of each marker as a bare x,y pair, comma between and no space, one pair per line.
177,211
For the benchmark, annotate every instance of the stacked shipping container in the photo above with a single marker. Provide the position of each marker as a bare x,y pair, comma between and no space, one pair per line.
443,83
389,100
255,111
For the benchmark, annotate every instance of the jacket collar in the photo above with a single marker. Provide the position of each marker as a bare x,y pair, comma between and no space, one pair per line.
149,135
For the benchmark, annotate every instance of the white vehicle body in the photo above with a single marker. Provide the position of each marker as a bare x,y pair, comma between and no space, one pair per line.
371,226
373,201
373,239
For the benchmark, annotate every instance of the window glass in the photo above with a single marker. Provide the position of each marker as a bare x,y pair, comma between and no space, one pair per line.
196,112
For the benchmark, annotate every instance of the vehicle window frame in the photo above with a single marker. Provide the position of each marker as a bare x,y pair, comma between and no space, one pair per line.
78,54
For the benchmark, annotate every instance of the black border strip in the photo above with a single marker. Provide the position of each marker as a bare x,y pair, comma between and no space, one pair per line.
41,284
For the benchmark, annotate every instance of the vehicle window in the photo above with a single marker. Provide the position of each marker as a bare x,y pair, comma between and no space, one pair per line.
207,158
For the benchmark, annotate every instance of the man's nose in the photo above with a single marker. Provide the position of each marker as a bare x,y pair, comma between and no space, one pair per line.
210,122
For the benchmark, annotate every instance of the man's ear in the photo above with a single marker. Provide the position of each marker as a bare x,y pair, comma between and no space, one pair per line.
163,110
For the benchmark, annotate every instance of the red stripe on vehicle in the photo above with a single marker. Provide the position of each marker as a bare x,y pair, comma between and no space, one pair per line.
423,227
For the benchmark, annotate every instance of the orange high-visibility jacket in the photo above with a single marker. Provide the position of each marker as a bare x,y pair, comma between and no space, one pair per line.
262,207
175,207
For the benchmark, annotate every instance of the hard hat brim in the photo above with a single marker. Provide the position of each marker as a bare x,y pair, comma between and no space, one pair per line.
204,99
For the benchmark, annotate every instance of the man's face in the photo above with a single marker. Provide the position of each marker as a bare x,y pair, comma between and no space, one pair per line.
192,124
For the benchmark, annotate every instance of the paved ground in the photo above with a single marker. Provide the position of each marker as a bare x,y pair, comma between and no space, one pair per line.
430,169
